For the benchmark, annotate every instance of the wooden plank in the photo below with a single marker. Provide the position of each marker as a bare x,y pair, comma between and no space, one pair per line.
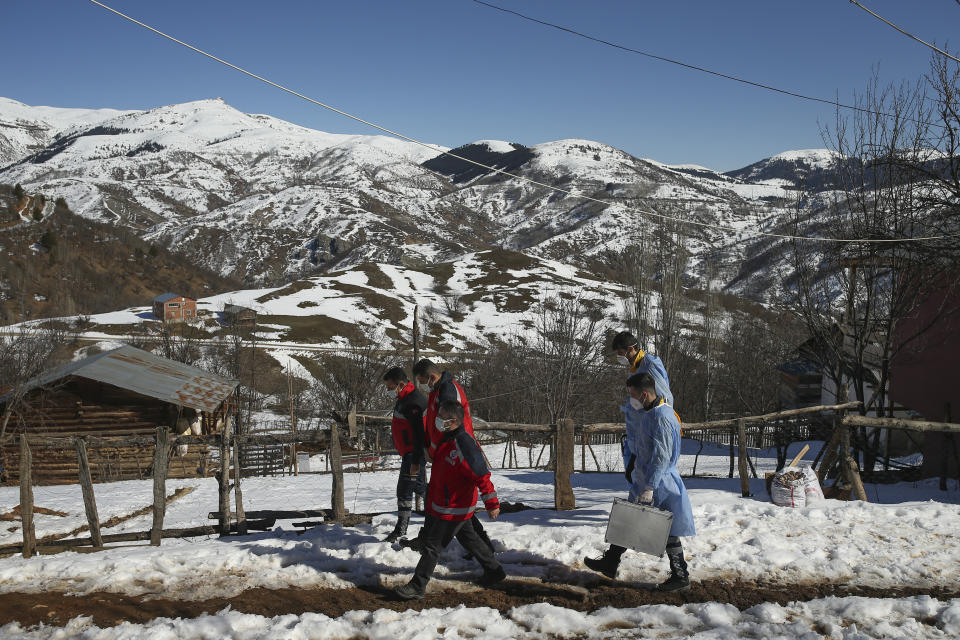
563,498
26,500
742,458
900,423
134,536
161,455
797,457
613,427
263,514
336,464
86,487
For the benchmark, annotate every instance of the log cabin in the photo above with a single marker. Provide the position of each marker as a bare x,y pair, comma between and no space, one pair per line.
123,392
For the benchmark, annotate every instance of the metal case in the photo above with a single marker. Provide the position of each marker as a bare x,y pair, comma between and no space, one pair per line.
639,527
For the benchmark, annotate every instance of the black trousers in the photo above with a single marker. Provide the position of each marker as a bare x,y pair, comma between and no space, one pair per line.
409,485
436,535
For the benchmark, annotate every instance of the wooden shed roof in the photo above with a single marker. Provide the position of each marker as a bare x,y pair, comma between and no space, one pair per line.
147,374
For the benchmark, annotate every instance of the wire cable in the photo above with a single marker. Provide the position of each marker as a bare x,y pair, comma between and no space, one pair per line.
906,33
435,148
727,76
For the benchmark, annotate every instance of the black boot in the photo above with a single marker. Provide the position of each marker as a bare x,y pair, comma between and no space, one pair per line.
400,530
679,579
608,563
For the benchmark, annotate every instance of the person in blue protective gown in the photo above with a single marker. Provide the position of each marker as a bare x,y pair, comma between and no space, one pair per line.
655,478
628,352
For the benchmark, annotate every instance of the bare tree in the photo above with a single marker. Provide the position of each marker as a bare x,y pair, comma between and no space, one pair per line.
671,260
567,346
352,377
896,171
23,357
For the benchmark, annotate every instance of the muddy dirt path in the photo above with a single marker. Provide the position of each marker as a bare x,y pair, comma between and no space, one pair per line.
110,609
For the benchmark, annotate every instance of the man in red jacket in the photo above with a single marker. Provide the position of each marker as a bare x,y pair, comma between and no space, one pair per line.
408,440
459,473
443,388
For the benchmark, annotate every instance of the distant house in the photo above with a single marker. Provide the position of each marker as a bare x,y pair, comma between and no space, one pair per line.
237,316
801,384
171,307
123,392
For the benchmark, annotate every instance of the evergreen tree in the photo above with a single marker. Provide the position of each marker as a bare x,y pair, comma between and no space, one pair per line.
18,191
48,240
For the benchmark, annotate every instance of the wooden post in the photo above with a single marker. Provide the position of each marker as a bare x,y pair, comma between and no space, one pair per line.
947,439
225,482
26,498
86,486
733,435
583,451
351,423
742,454
336,464
563,498
238,493
830,452
161,454
294,463
416,338
848,465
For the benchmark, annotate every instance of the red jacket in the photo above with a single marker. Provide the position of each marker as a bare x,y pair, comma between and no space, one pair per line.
407,425
459,471
446,389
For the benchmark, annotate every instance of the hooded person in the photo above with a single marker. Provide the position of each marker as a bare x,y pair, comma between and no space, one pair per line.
460,474
444,388
656,480
408,439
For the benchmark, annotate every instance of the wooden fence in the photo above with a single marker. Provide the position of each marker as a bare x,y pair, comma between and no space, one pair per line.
234,519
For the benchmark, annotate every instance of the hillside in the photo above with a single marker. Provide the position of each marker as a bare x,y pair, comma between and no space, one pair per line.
64,264
463,304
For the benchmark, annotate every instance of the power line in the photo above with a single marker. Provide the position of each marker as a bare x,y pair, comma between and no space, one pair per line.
906,33
649,213
719,74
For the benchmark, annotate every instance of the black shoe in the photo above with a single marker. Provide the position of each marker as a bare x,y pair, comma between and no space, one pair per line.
412,543
605,565
490,578
408,592
393,536
674,583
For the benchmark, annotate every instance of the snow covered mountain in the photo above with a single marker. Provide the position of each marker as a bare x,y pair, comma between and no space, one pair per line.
807,168
265,201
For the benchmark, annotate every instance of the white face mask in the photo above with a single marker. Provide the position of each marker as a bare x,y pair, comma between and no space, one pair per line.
623,360
636,404
441,425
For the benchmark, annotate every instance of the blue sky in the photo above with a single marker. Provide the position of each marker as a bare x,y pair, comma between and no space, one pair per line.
453,71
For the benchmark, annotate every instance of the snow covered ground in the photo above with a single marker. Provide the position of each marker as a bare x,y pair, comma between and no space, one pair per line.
908,537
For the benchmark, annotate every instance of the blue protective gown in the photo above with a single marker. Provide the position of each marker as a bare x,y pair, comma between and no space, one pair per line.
645,363
657,442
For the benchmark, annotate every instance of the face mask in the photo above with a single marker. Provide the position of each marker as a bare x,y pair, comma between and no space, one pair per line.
636,404
441,425
623,360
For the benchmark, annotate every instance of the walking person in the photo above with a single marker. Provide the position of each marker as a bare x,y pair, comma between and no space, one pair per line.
628,352
459,473
408,440
656,480
444,388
